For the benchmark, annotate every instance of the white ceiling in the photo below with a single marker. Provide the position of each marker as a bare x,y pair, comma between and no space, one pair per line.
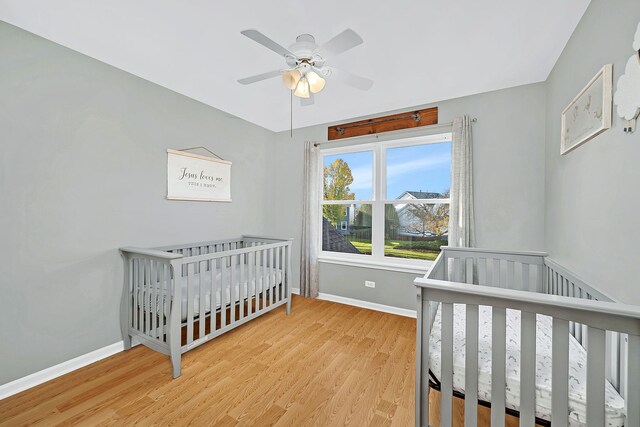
417,52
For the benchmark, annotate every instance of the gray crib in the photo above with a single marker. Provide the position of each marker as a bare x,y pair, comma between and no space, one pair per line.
518,332
176,298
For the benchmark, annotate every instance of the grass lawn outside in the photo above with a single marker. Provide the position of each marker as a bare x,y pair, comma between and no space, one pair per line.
401,249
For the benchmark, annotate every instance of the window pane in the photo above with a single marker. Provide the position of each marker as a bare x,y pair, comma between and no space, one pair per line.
346,228
415,230
348,176
419,171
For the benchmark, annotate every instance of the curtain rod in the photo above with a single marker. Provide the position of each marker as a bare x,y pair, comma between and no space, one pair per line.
415,116
439,125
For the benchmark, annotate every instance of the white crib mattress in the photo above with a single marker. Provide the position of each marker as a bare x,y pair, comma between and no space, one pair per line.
249,288
577,366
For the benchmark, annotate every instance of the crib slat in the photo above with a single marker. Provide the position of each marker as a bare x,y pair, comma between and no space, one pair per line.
190,298
595,376
213,321
446,380
142,309
142,312
560,373
612,358
489,273
232,288
160,301
271,278
223,292
422,362
202,266
456,270
527,369
482,271
503,274
498,364
287,276
136,291
257,259
471,366
547,283
497,276
511,275
525,277
153,307
167,300
147,296
250,290
263,275
539,278
277,282
241,285
469,273
632,380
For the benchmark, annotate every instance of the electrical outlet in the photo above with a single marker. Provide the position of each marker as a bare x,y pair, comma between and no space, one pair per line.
369,284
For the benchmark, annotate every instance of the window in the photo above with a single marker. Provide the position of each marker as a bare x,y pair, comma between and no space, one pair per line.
387,200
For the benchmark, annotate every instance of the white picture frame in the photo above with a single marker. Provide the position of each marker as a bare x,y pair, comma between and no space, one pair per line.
197,178
589,113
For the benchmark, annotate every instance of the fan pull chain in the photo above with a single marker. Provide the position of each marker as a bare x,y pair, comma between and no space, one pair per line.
291,118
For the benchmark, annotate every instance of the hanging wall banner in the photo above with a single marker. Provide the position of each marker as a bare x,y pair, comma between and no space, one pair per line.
194,177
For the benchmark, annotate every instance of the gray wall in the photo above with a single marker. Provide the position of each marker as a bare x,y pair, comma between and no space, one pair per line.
82,172
593,193
509,180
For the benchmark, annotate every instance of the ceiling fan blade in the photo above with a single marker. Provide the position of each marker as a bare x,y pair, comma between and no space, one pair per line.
348,39
265,41
260,77
305,102
348,78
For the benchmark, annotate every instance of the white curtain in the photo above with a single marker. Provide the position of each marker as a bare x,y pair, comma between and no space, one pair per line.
311,221
461,215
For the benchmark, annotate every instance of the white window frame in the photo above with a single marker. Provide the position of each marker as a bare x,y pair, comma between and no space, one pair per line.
378,202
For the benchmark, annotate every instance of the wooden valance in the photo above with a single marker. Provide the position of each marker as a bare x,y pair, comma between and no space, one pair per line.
409,119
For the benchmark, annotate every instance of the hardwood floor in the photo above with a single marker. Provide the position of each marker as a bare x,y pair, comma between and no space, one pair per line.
326,364
484,413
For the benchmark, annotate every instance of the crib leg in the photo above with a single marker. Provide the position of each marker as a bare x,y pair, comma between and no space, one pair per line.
127,342
175,364
288,309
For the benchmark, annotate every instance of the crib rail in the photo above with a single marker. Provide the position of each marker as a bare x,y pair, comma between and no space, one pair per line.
502,269
179,297
560,281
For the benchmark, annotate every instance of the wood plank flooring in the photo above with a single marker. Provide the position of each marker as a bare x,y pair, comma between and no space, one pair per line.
327,364
484,413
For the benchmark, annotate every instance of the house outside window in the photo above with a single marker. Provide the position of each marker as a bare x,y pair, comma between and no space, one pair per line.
387,201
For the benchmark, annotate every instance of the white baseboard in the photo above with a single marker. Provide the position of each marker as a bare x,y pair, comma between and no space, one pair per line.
363,304
37,378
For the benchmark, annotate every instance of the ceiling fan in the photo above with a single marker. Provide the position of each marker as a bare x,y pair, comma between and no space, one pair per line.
306,63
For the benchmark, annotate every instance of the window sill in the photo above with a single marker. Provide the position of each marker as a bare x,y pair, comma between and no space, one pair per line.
420,268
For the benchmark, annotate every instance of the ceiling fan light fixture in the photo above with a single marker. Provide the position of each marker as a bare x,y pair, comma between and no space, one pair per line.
316,83
291,78
302,89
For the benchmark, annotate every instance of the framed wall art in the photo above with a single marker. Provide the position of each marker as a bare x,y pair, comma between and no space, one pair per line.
590,112
195,177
